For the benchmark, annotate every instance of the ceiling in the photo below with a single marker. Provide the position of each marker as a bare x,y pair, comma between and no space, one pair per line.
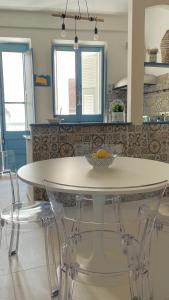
95,6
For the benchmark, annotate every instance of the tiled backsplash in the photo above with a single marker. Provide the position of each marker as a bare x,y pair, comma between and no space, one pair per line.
149,141
156,103
156,97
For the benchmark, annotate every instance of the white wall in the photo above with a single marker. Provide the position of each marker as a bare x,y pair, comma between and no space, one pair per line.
156,24
41,28
136,57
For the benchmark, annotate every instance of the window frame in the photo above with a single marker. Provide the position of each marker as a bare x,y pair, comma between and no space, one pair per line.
13,47
79,117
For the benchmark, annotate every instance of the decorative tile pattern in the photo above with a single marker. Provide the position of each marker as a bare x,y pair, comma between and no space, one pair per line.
67,140
156,98
156,103
149,141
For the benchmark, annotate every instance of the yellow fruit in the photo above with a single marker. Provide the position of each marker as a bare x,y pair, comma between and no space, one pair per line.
102,153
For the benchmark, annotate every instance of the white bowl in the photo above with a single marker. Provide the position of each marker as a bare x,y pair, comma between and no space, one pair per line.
53,121
100,162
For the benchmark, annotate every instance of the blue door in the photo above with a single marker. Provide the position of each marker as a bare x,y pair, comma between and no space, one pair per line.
16,98
15,141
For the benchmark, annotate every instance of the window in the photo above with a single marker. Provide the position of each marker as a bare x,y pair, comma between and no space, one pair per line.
14,99
79,83
16,82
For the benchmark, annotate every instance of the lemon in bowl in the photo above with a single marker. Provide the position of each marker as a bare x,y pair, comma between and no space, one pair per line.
102,153
101,159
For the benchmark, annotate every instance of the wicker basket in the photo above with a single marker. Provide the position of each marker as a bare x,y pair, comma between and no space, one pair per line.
165,48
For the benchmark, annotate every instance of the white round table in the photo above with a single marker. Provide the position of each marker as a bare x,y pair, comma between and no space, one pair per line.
75,174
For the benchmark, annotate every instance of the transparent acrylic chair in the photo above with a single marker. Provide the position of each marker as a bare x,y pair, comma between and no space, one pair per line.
7,161
161,248
19,214
105,242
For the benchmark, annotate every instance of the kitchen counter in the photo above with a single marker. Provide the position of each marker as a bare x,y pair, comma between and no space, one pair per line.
156,122
27,137
79,124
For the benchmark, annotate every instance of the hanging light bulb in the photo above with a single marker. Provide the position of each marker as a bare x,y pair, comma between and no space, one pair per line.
78,17
76,45
96,35
63,32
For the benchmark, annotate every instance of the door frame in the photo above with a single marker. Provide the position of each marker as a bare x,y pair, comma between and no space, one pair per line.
9,136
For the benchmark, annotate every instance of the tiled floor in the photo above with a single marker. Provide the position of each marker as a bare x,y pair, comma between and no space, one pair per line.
24,277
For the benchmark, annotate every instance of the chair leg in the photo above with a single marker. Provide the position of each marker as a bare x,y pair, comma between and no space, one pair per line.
17,237
14,238
140,286
10,251
57,271
71,274
138,270
1,227
67,292
51,267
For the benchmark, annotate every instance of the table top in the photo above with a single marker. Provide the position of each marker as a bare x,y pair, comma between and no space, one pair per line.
75,174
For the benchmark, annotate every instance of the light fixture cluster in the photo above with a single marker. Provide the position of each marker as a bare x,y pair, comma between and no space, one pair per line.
78,17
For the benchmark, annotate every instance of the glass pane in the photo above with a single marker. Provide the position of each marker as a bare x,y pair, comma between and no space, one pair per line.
91,83
13,77
65,85
15,117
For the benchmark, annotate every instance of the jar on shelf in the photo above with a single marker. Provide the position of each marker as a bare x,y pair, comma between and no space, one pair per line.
152,54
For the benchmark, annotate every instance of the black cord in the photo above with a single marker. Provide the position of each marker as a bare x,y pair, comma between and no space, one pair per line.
79,9
87,9
66,7
75,24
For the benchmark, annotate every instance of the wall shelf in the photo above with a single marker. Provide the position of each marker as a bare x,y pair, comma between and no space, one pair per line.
124,87
157,91
156,65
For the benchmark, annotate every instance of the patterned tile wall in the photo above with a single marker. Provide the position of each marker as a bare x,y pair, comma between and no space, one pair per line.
156,98
156,103
149,141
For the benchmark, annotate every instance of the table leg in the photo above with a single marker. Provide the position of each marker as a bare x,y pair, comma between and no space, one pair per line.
98,261
98,217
